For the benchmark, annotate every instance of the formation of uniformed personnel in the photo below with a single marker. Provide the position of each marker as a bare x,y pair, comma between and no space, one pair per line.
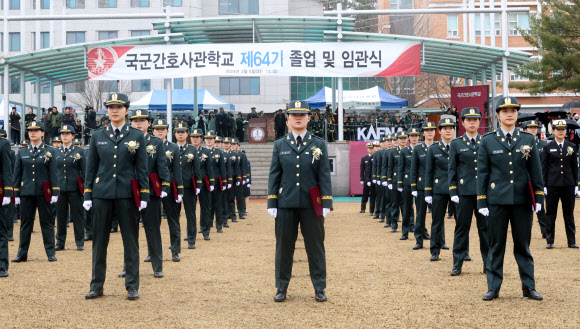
531,126
404,182
234,177
71,164
462,188
366,180
36,187
299,163
437,183
560,174
175,194
116,176
6,172
207,183
242,164
56,142
218,164
392,174
375,175
508,162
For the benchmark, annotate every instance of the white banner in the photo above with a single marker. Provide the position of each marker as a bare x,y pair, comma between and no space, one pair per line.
347,59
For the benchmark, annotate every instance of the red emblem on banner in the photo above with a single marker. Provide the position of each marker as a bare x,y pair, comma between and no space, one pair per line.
100,60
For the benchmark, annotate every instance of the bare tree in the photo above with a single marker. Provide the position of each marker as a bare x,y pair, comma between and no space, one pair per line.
94,92
435,86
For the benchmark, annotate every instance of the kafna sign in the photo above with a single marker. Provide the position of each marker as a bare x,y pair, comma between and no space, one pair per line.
373,133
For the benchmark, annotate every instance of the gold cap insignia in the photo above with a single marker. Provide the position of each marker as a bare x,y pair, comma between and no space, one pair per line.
138,112
97,181
447,121
114,97
436,181
472,111
461,181
508,100
533,122
492,186
160,122
297,105
180,125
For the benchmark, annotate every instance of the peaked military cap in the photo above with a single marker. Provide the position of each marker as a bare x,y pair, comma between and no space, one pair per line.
36,125
24,143
447,122
300,107
413,132
210,134
160,123
56,139
180,127
402,134
376,144
393,136
117,99
2,133
429,125
384,139
530,124
370,145
470,112
139,114
235,141
559,124
77,141
218,139
195,132
227,140
508,102
66,129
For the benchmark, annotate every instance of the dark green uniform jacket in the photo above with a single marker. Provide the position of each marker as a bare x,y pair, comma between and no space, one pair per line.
172,155
463,166
32,169
393,166
437,170
6,174
404,170
418,164
218,163
70,166
190,167
157,162
205,167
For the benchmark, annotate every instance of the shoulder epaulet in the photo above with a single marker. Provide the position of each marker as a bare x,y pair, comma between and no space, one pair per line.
489,133
319,138
156,138
525,132
136,129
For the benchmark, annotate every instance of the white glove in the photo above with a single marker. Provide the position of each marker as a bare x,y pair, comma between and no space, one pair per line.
400,189
229,185
224,187
197,190
414,193
429,199
53,199
538,207
249,185
362,183
163,194
374,181
385,183
369,184
546,190
5,201
575,190
390,186
484,211
325,211
237,183
211,188
143,205
455,199
179,198
88,205
17,200
273,212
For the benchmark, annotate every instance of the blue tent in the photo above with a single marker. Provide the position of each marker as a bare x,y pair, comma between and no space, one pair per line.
372,97
182,100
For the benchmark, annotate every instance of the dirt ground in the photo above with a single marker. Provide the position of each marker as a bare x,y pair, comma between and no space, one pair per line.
374,280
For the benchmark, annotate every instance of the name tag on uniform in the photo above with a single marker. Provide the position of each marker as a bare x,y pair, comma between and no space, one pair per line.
26,157
497,152
306,152
408,156
102,143
517,150
463,150
422,155
285,153
438,155
366,162
553,150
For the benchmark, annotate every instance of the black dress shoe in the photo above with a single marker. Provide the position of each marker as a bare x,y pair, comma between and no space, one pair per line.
234,220
199,231
123,274
387,225
226,225
132,294
361,212
148,259
320,295
418,246
219,230
113,230
89,238
445,247
467,258
455,271
242,217
377,217
573,246
19,259
94,294
550,246
175,258
412,230
398,220
80,248
191,246
427,237
158,275
532,294
280,296
206,237
393,230
382,220
58,248
491,295
434,257
186,238
51,258
449,215
3,273
404,237
543,236
371,214
10,238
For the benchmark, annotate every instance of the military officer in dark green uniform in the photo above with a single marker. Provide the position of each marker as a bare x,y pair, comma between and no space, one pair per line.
531,126
227,182
218,164
71,164
299,163
6,174
236,173
462,189
242,162
437,183
175,194
375,167
386,209
396,196
207,182
418,164
56,142
191,181
404,187
507,163
35,179
116,168
159,184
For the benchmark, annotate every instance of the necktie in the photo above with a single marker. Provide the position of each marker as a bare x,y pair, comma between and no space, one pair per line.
117,133
508,138
35,149
181,148
447,148
560,147
66,150
299,141
473,141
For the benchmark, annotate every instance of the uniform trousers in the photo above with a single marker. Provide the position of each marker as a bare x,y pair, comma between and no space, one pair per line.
29,204
10,210
421,205
440,202
407,210
225,205
396,203
4,219
566,194
379,199
368,192
205,219
466,209
520,218
385,211
172,210
127,214
312,228
89,223
189,205
152,223
240,199
74,200
231,195
216,209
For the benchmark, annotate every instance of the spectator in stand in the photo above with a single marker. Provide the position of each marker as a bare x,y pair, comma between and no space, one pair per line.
280,124
262,115
222,123
398,123
15,126
191,122
253,114
200,122
54,121
231,125
91,119
68,118
211,124
316,126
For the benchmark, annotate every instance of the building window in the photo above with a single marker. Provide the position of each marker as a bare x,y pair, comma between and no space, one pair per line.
14,41
497,24
106,35
140,85
515,77
452,26
107,3
478,25
332,163
238,7
518,22
75,37
14,85
44,4
498,77
178,83
75,4
139,3
75,87
44,40
240,86
172,3
14,5
140,33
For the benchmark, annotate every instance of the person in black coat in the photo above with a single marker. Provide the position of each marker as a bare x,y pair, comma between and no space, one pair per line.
15,126
91,119
280,124
560,173
222,123
366,180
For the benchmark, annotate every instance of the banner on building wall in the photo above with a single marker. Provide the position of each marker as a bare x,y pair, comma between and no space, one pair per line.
346,59
473,96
